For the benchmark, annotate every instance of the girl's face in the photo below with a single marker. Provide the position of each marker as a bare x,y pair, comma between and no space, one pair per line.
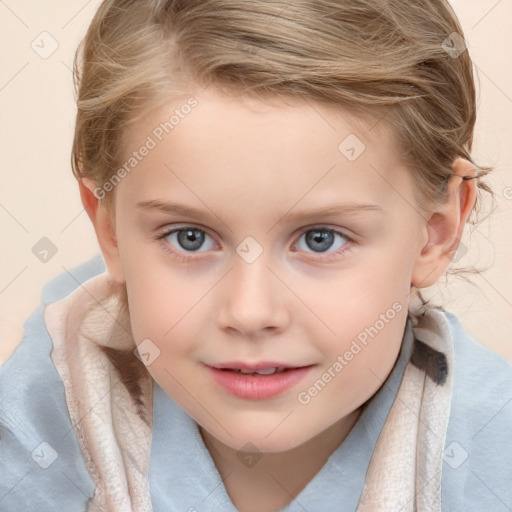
266,234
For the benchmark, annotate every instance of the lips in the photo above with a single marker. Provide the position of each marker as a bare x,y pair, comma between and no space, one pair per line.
266,371
253,367
257,381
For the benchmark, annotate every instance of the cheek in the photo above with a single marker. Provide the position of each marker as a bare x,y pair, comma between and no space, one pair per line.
155,313
349,301
167,307
358,364
359,326
166,317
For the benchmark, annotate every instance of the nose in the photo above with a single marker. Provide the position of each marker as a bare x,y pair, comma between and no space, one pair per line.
254,300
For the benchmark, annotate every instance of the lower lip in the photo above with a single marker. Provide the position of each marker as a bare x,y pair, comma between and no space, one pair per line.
258,387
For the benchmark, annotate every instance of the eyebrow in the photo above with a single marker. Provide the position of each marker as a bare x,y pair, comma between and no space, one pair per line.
326,211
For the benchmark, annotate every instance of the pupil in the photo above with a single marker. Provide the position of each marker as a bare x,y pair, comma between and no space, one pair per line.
323,238
191,239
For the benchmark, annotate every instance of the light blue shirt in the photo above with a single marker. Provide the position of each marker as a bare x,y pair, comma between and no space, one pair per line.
41,467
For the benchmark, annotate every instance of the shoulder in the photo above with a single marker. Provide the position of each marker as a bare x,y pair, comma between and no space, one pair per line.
38,446
36,340
478,449
482,377
69,280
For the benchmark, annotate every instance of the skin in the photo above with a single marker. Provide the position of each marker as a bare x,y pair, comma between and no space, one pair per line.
248,165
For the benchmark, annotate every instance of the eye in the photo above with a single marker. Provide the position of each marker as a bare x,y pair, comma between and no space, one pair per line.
181,242
320,239
184,240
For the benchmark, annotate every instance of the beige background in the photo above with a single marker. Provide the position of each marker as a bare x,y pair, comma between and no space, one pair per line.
39,196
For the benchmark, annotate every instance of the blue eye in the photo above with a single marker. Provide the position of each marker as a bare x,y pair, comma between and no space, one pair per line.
188,239
181,242
322,239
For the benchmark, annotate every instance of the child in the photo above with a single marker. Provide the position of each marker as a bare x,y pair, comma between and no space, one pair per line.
214,359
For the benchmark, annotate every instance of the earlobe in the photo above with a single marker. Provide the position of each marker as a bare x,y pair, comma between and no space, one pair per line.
443,230
102,220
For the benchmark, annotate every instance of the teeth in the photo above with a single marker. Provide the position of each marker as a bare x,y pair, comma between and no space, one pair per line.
268,371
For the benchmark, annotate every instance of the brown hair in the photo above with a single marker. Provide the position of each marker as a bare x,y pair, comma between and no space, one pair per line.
400,62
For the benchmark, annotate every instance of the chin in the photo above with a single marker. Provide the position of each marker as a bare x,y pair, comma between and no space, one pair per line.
260,440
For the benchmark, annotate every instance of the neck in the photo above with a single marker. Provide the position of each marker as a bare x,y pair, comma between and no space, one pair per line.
276,478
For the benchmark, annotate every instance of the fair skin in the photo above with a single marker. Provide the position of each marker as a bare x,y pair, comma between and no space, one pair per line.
249,165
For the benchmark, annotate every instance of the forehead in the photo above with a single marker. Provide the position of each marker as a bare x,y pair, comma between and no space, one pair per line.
247,145
214,109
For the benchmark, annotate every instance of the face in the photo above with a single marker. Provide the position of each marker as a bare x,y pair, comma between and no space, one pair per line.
257,233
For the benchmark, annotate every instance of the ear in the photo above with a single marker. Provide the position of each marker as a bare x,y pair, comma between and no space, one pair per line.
101,219
443,230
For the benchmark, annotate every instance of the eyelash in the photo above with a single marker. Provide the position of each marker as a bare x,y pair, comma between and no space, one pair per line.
347,247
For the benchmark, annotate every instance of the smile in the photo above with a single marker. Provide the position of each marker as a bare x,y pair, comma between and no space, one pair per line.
260,384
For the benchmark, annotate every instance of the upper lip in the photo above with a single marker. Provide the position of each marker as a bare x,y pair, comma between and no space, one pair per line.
262,365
